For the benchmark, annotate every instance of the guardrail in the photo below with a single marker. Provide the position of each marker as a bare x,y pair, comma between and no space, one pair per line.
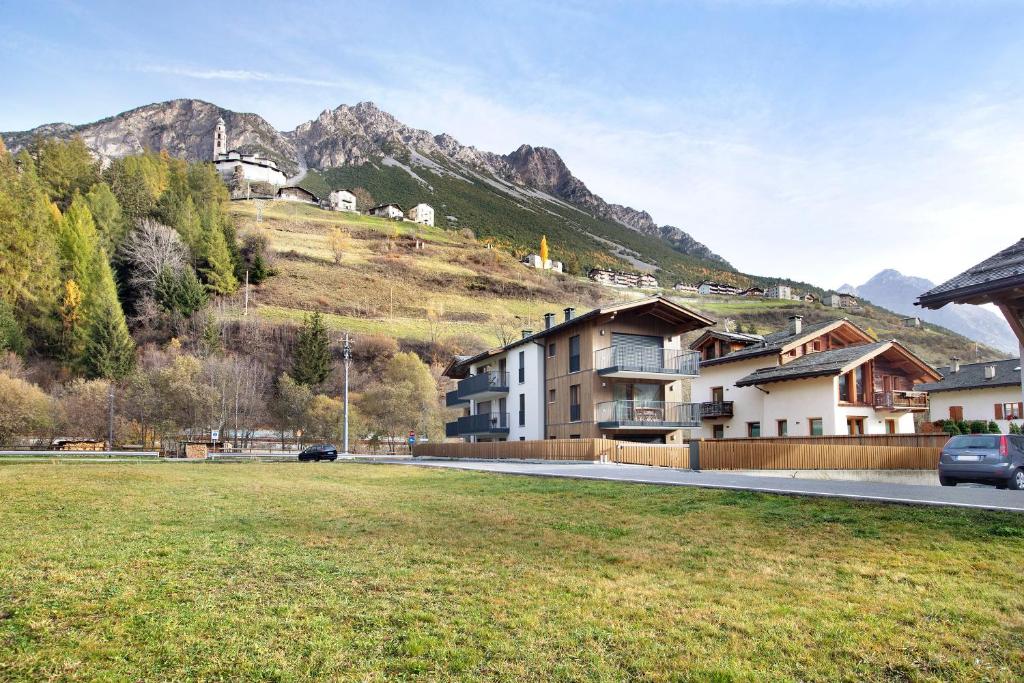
653,361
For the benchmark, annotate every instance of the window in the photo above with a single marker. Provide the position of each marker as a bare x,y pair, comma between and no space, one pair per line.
816,345
717,394
855,426
551,350
709,352
890,426
1008,411
815,426
574,353
522,438
753,429
718,431
574,403
522,410
551,395
858,383
522,366
844,387
782,427
574,436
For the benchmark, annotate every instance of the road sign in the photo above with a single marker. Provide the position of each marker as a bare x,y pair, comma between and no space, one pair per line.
214,435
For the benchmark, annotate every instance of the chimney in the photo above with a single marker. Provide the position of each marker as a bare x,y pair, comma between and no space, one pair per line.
796,324
527,333
549,320
569,312
990,371
955,365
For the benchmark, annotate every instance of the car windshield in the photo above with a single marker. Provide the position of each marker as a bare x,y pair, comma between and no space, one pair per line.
973,441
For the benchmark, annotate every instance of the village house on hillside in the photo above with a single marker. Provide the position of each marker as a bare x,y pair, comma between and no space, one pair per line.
535,261
841,300
392,211
297,194
779,291
615,372
422,214
616,278
709,287
341,200
752,292
830,378
253,167
977,391
685,287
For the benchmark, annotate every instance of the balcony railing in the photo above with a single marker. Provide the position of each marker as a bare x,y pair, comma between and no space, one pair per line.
711,409
901,400
658,414
453,400
478,425
492,382
624,359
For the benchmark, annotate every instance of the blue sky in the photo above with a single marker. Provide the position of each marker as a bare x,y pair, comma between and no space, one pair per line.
820,140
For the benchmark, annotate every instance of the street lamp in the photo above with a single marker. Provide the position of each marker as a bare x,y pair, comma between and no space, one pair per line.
346,354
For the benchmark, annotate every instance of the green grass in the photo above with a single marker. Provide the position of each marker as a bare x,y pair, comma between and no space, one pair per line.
358,572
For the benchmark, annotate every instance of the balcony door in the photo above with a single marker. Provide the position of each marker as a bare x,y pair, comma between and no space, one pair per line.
717,394
638,350
637,392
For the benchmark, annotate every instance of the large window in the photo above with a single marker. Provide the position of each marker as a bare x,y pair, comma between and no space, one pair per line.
855,426
574,403
522,410
574,353
815,426
860,387
844,387
522,366
1008,411
753,429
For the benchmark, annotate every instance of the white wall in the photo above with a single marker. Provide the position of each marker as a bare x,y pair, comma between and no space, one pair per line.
748,402
253,173
532,387
799,400
978,404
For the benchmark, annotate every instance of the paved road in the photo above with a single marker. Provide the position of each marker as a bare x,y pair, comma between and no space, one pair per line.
985,498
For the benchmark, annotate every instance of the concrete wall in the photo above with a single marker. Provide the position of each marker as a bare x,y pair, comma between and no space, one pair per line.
978,404
748,402
253,173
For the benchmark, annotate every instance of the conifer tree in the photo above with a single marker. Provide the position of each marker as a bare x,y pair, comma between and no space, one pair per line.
311,361
107,215
109,349
216,265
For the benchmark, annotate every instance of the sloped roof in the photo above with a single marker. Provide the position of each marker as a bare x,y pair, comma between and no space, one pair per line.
818,364
773,342
1003,271
972,376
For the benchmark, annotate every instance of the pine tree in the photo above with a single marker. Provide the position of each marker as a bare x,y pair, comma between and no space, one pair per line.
110,351
217,267
66,168
73,335
79,244
311,361
106,213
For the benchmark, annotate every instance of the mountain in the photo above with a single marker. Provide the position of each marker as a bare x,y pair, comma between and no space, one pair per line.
529,180
897,292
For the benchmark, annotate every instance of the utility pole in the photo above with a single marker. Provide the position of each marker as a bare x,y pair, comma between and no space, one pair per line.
110,417
346,354
246,292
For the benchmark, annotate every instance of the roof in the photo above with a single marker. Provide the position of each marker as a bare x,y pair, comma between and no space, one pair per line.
818,364
727,336
972,376
997,273
300,189
774,342
381,206
693,320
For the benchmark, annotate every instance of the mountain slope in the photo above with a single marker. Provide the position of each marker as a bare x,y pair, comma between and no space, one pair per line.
533,179
897,292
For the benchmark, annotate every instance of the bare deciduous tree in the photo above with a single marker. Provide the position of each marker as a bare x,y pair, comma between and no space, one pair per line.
150,249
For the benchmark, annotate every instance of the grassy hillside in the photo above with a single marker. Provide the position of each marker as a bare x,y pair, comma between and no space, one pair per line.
456,290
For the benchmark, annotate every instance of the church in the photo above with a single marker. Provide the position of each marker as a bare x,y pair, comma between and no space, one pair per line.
255,168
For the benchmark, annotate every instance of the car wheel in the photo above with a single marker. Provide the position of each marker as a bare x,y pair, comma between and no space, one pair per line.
1016,481
946,481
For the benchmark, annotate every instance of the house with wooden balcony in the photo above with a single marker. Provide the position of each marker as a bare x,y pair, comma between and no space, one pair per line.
618,371
830,378
988,391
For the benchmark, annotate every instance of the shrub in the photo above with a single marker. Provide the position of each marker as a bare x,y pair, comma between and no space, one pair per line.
993,428
950,427
1014,429
963,427
25,409
978,427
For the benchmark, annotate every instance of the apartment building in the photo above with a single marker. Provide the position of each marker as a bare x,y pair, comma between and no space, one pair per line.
618,372
618,278
830,378
709,287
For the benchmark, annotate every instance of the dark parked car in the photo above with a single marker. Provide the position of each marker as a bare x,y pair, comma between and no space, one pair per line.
319,451
985,459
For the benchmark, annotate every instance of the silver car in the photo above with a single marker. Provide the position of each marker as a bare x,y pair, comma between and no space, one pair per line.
984,459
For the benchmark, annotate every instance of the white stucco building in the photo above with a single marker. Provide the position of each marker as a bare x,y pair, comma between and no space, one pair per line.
254,168
779,292
535,261
817,380
392,211
422,214
978,391
341,200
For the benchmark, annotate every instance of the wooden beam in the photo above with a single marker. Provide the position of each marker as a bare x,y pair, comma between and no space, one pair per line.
1013,317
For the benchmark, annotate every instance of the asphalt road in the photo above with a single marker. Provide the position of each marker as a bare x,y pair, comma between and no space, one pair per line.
979,497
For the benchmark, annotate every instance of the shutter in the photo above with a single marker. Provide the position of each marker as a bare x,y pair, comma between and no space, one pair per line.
1020,409
999,411
637,350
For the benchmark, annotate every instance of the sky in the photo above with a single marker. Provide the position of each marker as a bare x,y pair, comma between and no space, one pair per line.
821,140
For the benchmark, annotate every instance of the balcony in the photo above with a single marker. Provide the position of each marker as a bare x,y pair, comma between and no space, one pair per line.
484,424
653,415
640,363
713,409
901,401
453,400
484,386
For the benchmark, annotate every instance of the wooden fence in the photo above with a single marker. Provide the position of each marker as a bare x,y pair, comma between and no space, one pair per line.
896,452
881,452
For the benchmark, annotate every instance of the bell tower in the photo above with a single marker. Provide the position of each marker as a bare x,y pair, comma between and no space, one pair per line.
220,139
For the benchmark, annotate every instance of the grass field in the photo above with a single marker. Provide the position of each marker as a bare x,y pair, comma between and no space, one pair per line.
360,572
